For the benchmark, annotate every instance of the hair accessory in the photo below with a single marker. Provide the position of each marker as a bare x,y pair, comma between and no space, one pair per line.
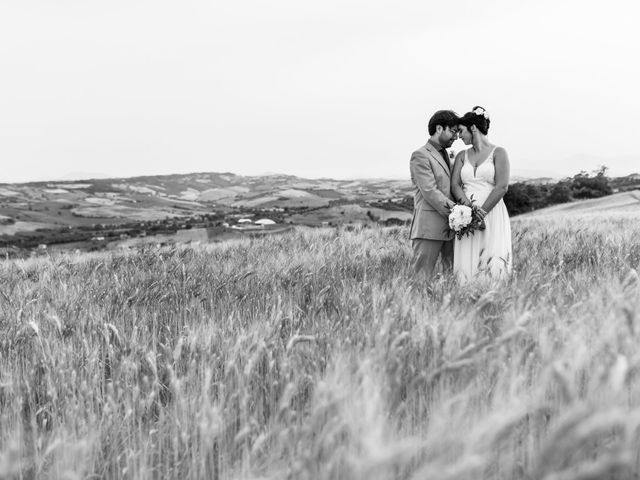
481,111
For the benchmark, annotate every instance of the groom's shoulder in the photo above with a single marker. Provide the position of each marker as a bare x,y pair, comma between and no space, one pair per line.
419,152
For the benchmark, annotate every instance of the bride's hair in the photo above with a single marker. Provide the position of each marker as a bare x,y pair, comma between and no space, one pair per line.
479,117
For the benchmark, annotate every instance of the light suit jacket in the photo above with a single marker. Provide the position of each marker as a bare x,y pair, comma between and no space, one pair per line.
431,177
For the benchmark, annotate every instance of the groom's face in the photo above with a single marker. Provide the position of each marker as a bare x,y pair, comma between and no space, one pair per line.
448,136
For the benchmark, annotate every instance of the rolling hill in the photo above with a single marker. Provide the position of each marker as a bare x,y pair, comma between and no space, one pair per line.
152,198
73,214
623,202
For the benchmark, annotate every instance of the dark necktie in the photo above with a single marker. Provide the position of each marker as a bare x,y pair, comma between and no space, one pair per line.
445,156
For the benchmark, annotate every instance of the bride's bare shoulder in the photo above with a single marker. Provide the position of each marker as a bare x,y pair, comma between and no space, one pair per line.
499,153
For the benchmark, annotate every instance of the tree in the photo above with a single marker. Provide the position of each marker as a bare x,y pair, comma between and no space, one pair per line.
584,185
560,193
525,197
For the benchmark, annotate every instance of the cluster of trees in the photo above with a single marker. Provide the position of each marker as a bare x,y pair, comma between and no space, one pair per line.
524,197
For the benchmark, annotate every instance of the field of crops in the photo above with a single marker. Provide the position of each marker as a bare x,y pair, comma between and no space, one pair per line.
313,355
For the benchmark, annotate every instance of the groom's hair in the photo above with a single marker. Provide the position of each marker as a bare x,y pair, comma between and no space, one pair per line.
444,118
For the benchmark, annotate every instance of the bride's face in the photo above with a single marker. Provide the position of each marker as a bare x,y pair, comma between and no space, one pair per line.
465,135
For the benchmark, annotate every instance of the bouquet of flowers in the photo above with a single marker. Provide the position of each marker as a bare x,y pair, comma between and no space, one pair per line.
465,220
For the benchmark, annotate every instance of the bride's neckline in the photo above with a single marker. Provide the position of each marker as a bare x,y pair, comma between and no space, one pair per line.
475,167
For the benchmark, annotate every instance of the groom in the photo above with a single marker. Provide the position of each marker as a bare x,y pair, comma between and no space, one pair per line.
431,177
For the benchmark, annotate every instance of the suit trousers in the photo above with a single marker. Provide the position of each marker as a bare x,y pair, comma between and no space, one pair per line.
426,252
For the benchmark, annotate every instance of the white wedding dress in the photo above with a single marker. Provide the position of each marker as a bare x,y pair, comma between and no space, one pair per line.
486,252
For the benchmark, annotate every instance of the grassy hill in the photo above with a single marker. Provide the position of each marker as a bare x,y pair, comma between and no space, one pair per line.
315,355
617,203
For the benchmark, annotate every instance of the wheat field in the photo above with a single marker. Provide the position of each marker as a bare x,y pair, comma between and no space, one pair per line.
313,355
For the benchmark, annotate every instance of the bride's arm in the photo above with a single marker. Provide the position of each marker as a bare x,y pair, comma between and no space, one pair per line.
501,162
456,181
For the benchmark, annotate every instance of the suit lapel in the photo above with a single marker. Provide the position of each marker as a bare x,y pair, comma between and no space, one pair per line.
438,158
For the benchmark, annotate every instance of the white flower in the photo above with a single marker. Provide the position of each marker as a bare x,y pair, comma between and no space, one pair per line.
459,217
481,111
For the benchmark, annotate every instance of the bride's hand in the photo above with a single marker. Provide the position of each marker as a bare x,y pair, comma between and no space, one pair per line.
482,213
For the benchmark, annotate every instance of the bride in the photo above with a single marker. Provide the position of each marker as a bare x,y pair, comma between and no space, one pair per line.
481,176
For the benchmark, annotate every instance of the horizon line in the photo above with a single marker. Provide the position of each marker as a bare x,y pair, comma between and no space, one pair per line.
104,177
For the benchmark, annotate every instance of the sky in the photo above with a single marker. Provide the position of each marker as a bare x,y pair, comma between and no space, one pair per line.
340,89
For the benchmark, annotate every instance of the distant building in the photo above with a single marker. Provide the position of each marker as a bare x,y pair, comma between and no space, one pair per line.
265,221
245,220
